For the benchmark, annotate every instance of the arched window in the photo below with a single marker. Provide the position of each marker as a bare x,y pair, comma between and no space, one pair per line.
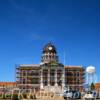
24,73
23,81
77,73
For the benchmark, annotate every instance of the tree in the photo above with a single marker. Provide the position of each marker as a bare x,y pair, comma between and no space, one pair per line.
92,86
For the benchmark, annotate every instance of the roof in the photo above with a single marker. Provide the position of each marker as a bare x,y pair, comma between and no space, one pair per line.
29,65
74,67
97,84
7,83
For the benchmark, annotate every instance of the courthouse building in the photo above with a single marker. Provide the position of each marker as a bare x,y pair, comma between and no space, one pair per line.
50,73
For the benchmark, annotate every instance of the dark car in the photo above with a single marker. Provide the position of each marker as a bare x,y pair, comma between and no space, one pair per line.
76,95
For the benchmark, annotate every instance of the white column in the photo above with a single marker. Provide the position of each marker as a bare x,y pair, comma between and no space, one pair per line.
26,80
63,78
48,77
56,77
21,78
41,81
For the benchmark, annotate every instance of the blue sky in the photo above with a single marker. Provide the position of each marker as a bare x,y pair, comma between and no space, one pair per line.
27,25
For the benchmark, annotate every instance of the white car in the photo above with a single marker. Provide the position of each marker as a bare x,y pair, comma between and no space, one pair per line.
88,96
67,94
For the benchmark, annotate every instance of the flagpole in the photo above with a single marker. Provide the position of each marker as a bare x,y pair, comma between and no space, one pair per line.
63,83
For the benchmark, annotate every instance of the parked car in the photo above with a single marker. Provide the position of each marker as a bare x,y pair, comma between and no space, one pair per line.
76,95
67,95
88,96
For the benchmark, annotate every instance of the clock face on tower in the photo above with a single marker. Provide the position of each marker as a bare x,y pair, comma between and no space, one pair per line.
50,48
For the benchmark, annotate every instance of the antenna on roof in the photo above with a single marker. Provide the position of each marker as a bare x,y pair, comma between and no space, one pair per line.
64,57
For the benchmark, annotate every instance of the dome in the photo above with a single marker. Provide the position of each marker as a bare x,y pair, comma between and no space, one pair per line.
49,53
49,48
90,69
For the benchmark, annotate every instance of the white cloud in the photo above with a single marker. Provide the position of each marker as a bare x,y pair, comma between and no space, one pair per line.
40,37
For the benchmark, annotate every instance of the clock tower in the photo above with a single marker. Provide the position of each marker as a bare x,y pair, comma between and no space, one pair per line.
49,53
